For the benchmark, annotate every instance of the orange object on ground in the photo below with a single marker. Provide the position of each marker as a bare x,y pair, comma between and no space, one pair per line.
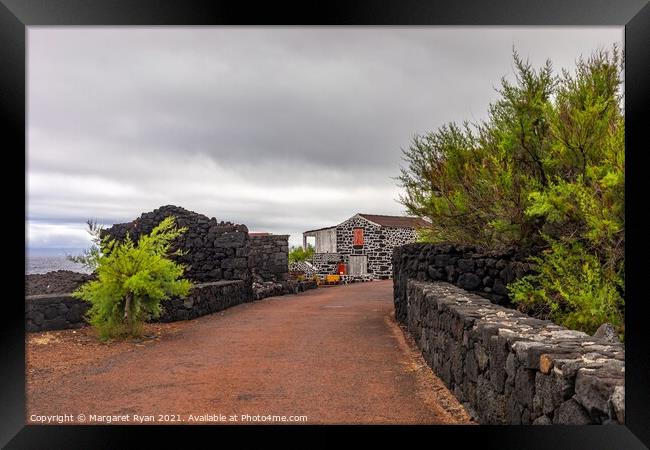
332,278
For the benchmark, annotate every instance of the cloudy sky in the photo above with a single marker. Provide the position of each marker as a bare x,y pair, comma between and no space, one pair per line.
282,129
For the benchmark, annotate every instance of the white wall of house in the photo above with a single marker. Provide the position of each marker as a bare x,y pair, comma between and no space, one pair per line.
326,241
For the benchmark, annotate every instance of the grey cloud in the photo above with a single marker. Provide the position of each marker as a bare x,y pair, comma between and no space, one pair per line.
148,113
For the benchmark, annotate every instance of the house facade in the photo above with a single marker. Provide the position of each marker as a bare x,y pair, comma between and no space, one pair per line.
364,243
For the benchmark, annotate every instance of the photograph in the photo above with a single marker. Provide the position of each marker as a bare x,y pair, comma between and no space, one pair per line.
325,225
406,220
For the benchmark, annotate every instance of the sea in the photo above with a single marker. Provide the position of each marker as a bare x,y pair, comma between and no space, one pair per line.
43,260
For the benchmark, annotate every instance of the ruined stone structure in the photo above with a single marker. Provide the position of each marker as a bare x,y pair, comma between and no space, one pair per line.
227,265
214,250
364,242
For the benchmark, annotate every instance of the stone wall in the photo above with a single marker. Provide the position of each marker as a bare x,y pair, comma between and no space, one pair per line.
214,250
271,288
62,311
217,251
474,269
304,268
206,298
509,368
54,312
326,263
268,257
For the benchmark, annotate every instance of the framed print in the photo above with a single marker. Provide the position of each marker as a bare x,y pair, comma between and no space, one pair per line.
410,215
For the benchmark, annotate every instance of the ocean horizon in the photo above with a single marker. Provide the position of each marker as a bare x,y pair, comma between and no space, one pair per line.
43,260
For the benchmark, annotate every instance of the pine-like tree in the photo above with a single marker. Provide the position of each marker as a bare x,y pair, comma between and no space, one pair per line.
132,280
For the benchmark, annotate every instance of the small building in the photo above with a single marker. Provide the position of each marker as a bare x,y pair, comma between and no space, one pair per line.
364,243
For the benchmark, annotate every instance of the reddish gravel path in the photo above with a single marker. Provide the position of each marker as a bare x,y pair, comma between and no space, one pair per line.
333,354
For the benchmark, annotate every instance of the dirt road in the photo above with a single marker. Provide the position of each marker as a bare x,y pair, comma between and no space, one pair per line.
333,355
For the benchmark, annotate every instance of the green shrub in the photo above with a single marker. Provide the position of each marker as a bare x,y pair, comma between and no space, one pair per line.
545,170
570,288
132,280
297,254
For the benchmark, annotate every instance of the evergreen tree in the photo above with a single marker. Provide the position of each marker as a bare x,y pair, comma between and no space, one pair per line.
132,280
546,170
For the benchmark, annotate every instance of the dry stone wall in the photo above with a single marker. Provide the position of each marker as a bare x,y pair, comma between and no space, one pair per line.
54,312
325,263
62,311
206,298
509,368
268,257
472,268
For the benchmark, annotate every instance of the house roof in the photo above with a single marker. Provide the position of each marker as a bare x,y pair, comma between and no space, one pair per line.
384,221
395,221
319,229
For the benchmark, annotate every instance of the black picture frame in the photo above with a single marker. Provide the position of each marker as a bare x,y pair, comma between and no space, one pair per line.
16,15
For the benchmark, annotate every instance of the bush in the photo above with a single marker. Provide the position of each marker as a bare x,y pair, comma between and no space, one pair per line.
132,280
570,288
546,170
297,254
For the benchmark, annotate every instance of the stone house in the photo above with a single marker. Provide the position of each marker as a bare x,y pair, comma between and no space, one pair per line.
364,243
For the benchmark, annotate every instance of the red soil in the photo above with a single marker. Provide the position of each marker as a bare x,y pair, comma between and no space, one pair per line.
334,355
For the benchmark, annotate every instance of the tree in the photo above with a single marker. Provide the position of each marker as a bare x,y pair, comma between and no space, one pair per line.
580,280
473,181
90,257
546,172
297,254
132,280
